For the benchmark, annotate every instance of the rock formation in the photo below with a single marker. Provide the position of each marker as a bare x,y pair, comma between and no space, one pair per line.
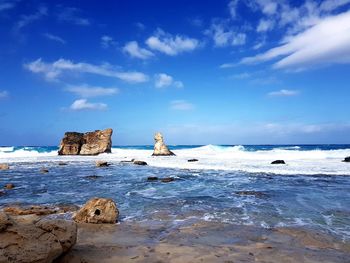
279,162
160,149
98,211
31,239
101,164
139,162
89,143
347,159
4,166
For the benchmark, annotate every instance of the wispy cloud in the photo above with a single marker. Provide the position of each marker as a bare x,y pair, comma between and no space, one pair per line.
232,6
283,93
132,48
72,15
163,80
181,105
107,42
223,35
52,71
171,45
83,104
55,38
243,75
327,42
7,5
3,94
28,19
87,91
265,25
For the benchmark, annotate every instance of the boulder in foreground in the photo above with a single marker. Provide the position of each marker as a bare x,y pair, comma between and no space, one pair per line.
4,166
33,240
98,211
160,149
279,162
89,143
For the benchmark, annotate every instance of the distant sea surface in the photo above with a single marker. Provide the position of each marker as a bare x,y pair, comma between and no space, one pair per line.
232,184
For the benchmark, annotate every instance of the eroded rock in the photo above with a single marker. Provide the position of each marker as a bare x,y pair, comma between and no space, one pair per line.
9,186
98,211
101,164
89,143
38,210
160,149
38,240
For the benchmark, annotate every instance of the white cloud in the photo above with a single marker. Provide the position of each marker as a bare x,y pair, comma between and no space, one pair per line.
28,19
181,105
327,42
232,6
164,80
132,48
223,36
3,94
83,104
265,25
52,71
283,93
171,45
243,75
72,15
330,5
55,38
107,41
268,7
86,91
228,65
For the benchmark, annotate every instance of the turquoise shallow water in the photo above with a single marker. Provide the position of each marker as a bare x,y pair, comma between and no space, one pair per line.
317,201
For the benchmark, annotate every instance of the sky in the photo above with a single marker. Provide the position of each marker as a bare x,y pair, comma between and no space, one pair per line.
200,72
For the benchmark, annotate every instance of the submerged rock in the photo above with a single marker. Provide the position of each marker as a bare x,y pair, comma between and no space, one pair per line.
160,149
4,166
252,193
9,186
101,164
44,171
152,178
92,177
98,211
89,143
139,163
279,162
34,240
347,159
167,179
62,163
192,160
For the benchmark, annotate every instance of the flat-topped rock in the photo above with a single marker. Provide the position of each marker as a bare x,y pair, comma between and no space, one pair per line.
89,143
98,211
279,162
160,149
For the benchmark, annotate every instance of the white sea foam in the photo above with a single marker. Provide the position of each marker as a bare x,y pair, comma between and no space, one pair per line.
235,158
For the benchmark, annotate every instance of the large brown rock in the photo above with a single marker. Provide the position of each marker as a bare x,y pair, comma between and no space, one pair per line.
37,240
160,149
98,211
90,143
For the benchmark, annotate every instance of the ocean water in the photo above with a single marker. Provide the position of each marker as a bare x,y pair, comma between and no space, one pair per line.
312,190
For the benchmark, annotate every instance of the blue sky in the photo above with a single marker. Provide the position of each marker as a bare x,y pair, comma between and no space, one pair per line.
219,72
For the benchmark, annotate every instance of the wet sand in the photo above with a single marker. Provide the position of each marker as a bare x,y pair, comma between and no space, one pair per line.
201,241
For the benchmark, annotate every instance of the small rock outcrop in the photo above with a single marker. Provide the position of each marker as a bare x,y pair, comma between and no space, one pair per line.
9,186
4,166
167,180
101,164
139,163
38,210
89,143
279,162
28,239
160,149
346,160
152,178
192,160
98,211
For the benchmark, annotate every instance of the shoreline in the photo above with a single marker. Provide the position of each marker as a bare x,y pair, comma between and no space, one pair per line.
201,241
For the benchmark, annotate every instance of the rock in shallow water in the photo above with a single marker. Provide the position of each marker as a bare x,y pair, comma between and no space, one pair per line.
160,149
89,143
101,164
4,166
9,186
139,163
347,159
279,162
98,211
39,241
167,180
192,160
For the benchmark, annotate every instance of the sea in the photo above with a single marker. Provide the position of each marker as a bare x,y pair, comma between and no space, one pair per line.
234,184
